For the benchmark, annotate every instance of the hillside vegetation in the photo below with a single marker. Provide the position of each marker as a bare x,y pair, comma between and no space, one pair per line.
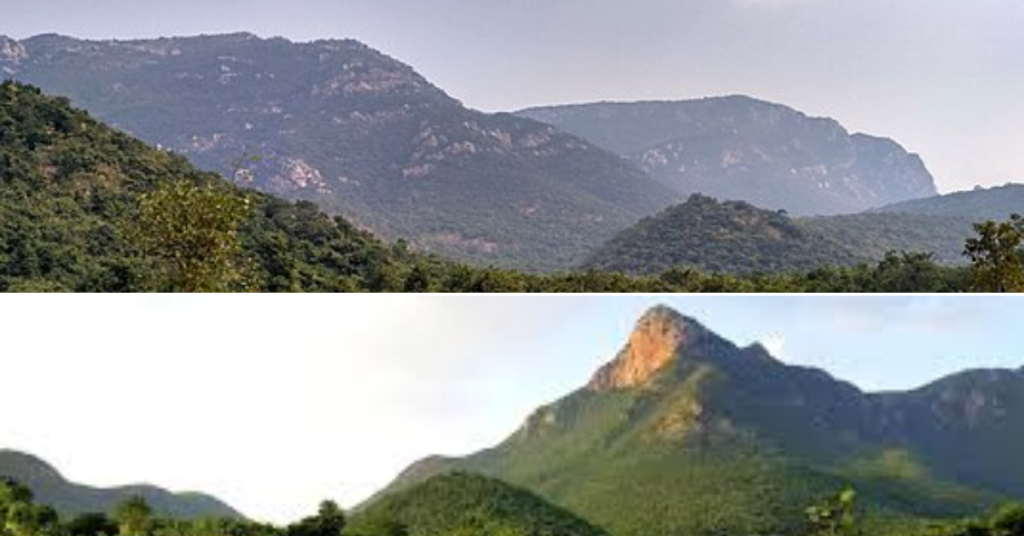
737,237
85,208
459,504
980,204
360,134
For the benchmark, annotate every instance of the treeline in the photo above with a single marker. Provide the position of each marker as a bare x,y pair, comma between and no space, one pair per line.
21,516
834,516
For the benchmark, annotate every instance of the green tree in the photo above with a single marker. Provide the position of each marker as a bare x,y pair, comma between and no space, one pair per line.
196,229
329,521
1009,521
133,517
996,256
835,516
92,524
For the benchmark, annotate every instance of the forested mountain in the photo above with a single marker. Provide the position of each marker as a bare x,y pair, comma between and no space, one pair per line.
737,237
359,133
744,149
686,433
69,499
462,504
980,204
72,193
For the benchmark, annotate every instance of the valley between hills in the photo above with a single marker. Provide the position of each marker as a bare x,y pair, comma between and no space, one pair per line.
348,170
681,433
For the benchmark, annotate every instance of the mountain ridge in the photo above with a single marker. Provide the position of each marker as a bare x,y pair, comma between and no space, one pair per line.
738,147
997,203
50,487
728,439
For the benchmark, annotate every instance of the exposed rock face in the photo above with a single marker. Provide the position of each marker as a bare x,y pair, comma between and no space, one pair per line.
657,341
11,53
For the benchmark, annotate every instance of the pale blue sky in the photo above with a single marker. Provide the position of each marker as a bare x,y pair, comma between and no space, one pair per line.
944,77
275,402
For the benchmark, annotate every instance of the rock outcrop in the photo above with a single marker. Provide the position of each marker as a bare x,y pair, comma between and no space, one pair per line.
658,340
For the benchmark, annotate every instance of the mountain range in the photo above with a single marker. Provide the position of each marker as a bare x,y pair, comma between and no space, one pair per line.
739,148
684,432
359,133
69,499
73,190
365,136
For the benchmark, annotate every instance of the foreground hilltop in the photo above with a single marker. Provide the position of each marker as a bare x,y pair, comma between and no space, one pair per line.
70,499
745,149
359,133
459,503
686,433
737,237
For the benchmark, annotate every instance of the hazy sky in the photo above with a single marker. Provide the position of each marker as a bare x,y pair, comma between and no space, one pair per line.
944,77
274,402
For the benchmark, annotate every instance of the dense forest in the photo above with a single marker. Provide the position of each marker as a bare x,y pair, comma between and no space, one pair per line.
86,208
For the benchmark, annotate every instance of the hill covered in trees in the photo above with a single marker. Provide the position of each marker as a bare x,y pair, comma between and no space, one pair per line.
70,499
360,134
733,237
686,433
737,237
463,504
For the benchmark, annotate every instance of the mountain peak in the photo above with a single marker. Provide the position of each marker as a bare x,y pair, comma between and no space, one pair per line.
658,338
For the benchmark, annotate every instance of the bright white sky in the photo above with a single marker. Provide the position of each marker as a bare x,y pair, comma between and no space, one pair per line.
943,77
276,402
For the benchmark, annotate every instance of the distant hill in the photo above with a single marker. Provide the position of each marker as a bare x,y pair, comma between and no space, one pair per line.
980,204
872,235
360,134
69,499
684,432
744,149
737,237
463,504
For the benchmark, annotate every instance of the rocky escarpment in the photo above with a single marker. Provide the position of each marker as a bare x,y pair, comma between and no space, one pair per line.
657,341
12,53
738,148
